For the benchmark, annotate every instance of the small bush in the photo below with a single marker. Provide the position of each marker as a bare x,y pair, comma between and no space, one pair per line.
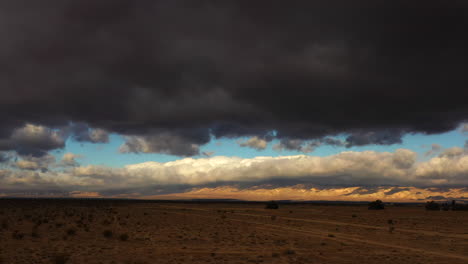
123,237
272,205
34,234
17,235
71,232
4,224
432,206
376,205
460,207
60,259
445,207
107,233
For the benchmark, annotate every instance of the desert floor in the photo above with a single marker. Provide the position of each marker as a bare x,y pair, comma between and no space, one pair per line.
124,232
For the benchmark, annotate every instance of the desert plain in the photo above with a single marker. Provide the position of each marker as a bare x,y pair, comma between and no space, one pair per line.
136,232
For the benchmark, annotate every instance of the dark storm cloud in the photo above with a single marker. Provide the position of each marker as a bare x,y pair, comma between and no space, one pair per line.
307,146
180,143
33,140
305,69
83,133
296,145
386,137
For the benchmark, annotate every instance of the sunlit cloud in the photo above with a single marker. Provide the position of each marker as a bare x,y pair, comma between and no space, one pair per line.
354,169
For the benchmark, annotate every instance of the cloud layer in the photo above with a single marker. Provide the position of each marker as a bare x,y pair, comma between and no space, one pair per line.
172,74
359,169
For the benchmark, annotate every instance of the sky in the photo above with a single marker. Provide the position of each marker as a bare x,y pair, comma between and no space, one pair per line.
302,100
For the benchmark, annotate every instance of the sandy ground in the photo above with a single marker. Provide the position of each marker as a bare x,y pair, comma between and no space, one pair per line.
70,232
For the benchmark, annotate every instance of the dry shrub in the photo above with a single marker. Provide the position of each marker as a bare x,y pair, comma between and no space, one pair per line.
123,237
107,233
376,205
60,258
71,232
432,206
272,205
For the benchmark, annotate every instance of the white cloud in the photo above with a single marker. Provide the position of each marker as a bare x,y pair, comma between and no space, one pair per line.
35,163
452,152
255,143
98,135
69,159
435,148
27,165
350,168
464,128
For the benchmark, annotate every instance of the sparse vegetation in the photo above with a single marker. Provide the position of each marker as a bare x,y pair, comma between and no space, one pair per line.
17,235
123,237
391,226
60,259
107,233
4,224
272,205
34,233
432,206
71,231
460,207
183,232
376,205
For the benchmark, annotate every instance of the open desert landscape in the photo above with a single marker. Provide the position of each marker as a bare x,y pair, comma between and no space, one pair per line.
182,131
106,231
